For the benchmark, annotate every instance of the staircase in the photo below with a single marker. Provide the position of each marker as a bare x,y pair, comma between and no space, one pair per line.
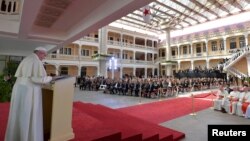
240,53
236,72
125,127
236,57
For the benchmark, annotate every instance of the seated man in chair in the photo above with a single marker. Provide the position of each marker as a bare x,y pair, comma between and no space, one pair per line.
220,100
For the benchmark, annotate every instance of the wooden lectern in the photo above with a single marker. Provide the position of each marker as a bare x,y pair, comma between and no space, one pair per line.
57,109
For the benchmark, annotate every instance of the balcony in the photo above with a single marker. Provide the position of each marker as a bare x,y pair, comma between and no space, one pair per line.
90,39
62,57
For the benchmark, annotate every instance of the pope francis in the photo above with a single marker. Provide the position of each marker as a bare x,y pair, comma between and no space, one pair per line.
25,121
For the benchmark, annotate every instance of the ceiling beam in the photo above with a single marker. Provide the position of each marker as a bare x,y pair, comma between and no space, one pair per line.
171,16
181,13
204,7
135,19
197,13
235,4
140,16
220,6
139,25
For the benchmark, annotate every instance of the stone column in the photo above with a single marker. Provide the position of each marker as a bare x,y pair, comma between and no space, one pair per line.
168,53
79,51
191,48
121,71
57,70
246,39
206,43
134,56
79,70
134,71
192,64
179,65
225,44
207,61
103,50
178,49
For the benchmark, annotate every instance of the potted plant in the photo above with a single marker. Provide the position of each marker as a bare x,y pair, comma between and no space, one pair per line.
7,80
5,89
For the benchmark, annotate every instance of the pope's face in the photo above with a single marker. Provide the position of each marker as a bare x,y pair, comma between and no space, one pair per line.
41,55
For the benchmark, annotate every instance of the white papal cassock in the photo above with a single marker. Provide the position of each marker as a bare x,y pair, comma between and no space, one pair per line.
25,121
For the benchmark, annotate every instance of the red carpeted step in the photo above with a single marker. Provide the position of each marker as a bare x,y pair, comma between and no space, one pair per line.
88,128
128,133
150,131
164,134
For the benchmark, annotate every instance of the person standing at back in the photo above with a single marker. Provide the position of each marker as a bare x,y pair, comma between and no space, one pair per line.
25,122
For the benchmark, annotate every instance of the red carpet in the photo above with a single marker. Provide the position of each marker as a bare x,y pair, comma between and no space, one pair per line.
135,123
99,123
158,112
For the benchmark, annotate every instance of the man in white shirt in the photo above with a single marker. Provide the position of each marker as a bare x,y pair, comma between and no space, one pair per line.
221,97
25,121
231,101
243,102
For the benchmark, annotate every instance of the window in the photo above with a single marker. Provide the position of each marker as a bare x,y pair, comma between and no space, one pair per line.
111,38
64,71
66,51
184,50
149,43
84,52
3,6
163,53
173,52
83,71
242,42
117,55
125,56
221,45
232,43
198,48
214,46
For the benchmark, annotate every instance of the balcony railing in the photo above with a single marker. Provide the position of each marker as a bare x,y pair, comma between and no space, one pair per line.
111,42
201,54
62,57
127,44
86,58
236,55
186,56
90,39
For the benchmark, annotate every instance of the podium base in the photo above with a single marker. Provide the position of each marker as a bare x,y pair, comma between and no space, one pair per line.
64,137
